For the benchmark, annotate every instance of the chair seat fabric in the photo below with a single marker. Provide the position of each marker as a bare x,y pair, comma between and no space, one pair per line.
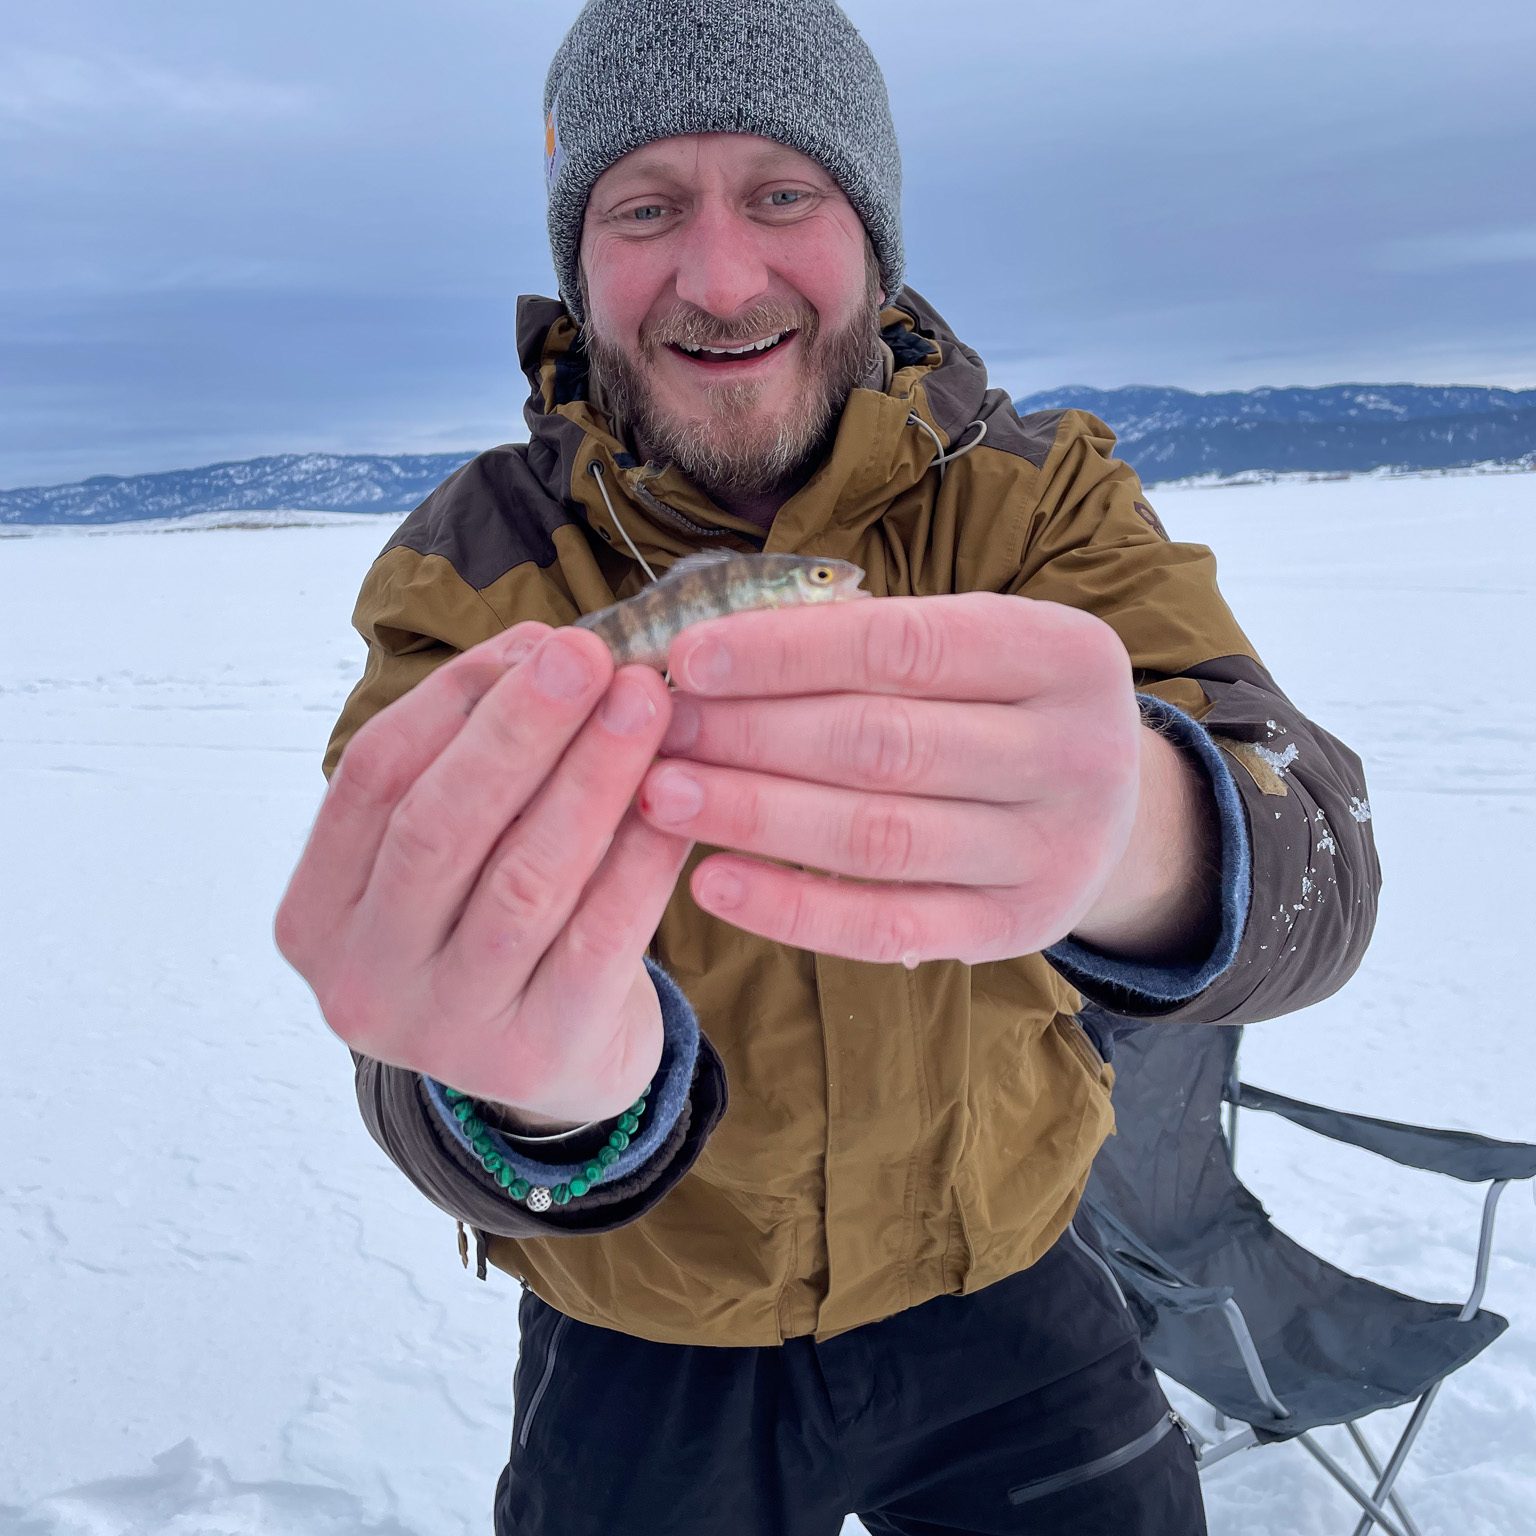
1334,1346
1163,1188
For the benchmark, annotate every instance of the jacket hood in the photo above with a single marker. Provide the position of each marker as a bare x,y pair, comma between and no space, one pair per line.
878,450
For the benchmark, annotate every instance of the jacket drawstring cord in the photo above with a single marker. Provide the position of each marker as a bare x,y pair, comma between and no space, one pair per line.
596,471
959,453
941,459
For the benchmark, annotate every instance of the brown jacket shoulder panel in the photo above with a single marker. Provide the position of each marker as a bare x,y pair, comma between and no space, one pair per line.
489,516
1030,437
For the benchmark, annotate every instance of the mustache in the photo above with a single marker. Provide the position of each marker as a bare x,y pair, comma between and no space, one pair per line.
690,326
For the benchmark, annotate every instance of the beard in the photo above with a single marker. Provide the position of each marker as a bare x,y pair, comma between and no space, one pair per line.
735,447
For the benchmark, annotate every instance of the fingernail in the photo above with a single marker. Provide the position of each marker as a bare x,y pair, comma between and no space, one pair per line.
721,890
514,649
560,672
628,709
672,796
683,729
707,667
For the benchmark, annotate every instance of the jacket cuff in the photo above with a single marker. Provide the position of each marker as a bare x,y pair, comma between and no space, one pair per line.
665,1102
1134,987
400,1118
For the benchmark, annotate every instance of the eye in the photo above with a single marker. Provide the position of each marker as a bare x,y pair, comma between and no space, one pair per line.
648,214
821,575
788,200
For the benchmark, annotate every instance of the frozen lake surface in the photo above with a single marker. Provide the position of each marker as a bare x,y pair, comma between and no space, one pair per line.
226,1312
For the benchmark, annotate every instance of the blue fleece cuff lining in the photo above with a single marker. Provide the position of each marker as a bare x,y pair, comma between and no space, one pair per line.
1168,986
669,1092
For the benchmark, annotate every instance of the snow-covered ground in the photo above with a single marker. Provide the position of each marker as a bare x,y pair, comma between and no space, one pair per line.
225,1312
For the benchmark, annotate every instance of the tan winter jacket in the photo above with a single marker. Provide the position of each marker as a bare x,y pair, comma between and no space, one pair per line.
890,1135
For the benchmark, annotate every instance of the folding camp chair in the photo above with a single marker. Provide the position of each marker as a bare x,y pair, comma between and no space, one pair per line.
1278,1341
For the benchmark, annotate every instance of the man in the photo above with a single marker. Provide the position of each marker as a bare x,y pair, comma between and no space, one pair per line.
916,834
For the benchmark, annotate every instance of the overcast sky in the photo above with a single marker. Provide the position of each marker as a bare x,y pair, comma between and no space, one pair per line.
259,225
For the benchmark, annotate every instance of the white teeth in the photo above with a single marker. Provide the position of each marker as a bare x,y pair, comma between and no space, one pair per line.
755,346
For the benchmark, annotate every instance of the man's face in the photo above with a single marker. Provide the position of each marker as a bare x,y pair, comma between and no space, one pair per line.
725,241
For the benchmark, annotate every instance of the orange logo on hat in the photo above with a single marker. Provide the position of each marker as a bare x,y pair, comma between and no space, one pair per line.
552,155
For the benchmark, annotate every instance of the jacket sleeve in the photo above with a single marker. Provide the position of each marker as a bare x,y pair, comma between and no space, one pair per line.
1312,872
404,1113
415,612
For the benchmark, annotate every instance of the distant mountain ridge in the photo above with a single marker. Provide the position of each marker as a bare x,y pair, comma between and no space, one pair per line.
1175,434
314,482
1166,434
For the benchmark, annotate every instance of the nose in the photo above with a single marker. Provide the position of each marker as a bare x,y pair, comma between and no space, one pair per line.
720,267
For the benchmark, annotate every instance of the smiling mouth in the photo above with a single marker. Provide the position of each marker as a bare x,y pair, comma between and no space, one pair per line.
744,352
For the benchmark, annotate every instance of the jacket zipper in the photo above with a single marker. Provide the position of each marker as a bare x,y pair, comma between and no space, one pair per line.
654,504
687,524
1026,1493
543,1386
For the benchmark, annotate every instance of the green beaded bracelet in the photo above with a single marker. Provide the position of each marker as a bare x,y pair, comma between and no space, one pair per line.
540,1197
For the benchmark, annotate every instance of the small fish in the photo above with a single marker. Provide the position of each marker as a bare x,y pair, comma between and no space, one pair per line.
708,585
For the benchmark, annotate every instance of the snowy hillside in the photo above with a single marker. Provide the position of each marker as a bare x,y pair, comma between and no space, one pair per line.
1176,434
331,482
225,1312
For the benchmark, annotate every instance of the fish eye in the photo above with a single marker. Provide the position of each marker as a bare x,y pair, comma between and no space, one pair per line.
821,575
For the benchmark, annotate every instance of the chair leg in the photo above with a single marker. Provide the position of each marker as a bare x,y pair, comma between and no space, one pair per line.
1394,1499
1400,1455
1416,1423
1374,1510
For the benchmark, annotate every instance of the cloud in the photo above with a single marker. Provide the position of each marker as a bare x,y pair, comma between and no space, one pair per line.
43,89
1459,248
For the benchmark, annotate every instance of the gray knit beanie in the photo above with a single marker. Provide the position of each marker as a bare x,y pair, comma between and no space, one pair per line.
795,71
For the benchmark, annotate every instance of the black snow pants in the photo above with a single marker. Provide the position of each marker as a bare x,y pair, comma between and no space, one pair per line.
1025,1407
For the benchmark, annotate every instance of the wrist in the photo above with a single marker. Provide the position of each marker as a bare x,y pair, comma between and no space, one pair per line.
642,1014
513,1121
567,1169
1160,904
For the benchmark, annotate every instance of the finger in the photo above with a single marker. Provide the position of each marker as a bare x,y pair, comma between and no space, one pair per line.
381,762
536,872
996,753
984,646
591,965
884,925
448,821
844,831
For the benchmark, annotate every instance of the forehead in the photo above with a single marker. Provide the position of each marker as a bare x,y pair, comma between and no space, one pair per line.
694,156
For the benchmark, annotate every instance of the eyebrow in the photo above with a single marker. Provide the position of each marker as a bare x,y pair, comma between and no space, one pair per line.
662,166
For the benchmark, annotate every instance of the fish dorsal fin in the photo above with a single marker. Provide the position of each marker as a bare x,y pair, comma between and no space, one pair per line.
697,561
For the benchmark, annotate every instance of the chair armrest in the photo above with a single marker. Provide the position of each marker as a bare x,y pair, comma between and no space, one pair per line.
1457,1154
1142,1272
1155,1284
1155,1290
